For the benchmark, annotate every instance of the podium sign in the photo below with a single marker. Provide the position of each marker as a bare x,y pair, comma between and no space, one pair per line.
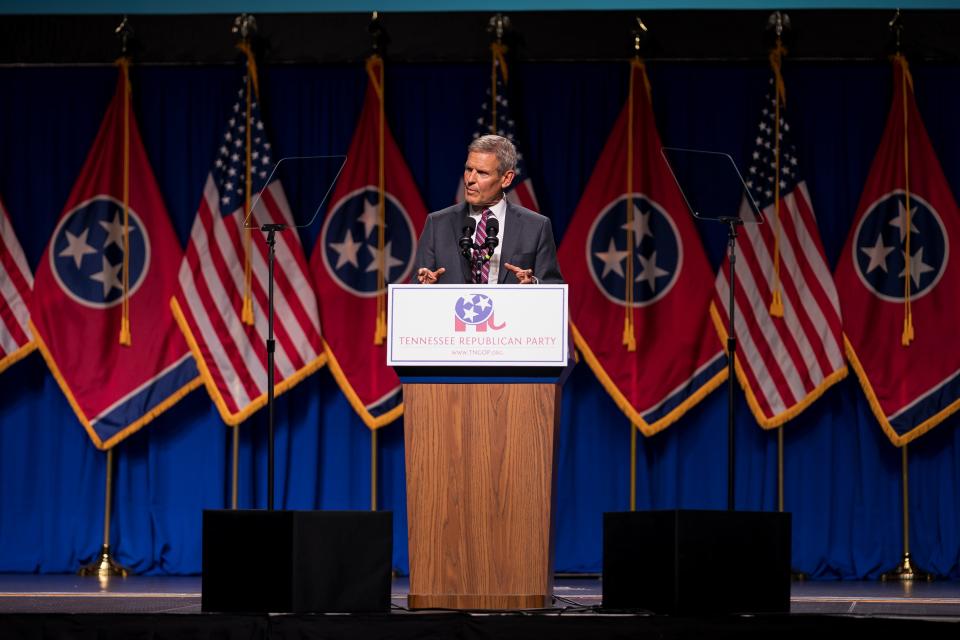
477,325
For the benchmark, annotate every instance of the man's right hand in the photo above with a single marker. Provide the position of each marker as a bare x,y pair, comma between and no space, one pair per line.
425,276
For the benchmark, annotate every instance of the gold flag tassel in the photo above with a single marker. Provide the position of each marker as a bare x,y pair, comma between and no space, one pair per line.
246,314
629,328
907,82
776,56
375,73
126,338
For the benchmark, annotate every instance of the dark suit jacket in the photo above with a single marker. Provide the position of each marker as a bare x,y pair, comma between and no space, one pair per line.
527,243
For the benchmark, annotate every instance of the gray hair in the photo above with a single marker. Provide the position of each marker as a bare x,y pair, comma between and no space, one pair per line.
499,146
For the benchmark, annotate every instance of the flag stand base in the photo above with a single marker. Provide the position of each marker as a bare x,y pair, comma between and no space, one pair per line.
104,566
906,572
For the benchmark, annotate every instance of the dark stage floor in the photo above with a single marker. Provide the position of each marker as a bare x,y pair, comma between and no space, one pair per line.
70,608
139,594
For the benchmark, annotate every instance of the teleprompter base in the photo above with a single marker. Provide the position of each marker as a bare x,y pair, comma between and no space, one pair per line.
296,561
671,561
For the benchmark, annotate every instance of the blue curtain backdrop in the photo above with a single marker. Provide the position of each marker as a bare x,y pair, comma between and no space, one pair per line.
842,475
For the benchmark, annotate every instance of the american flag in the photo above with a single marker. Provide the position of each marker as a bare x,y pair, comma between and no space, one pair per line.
16,282
784,363
522,190
231,353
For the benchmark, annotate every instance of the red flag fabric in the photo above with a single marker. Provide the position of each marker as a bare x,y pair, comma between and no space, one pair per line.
16,282
900,280
496,116
213,285
368,240
640,284
788,329
87,283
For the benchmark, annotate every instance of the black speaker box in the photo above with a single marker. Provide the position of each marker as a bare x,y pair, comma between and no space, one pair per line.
697,562
296,561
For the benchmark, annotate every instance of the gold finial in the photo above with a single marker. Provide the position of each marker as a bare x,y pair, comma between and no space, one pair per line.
498,26
245,25
124,31
378,35
638,33
779,23
896,26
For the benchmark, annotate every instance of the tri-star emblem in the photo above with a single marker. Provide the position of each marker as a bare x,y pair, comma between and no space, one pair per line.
657,254
880,247
86,254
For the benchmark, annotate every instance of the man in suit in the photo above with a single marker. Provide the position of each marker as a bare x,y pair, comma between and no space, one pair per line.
526,253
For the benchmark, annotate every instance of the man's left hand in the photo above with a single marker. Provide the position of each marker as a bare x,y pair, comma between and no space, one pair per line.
525,276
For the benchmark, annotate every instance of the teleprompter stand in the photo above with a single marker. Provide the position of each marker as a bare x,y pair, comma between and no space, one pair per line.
313,561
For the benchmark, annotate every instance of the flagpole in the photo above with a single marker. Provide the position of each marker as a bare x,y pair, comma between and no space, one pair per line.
780,469
378,41
244,25
373,469
633,467
777,23
629,339
906,572
235,472
105,567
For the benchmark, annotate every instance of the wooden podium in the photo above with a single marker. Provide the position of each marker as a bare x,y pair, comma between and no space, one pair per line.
481,449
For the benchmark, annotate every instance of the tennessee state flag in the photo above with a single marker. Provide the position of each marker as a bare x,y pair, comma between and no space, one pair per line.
91,293
640,285
368,240
899,278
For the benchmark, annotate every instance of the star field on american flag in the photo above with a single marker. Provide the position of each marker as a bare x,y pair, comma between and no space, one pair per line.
761,171
228,169
505,126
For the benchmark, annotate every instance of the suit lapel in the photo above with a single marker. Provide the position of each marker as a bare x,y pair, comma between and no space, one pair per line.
459,221
510,240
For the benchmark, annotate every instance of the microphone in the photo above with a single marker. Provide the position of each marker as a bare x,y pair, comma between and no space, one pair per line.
465,242
493,228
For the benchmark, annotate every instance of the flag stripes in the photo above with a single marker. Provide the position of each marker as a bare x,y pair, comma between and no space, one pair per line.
785,361
212,288
522,194
16,282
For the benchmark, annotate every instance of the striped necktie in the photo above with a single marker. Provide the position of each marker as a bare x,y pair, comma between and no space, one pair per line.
483,277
